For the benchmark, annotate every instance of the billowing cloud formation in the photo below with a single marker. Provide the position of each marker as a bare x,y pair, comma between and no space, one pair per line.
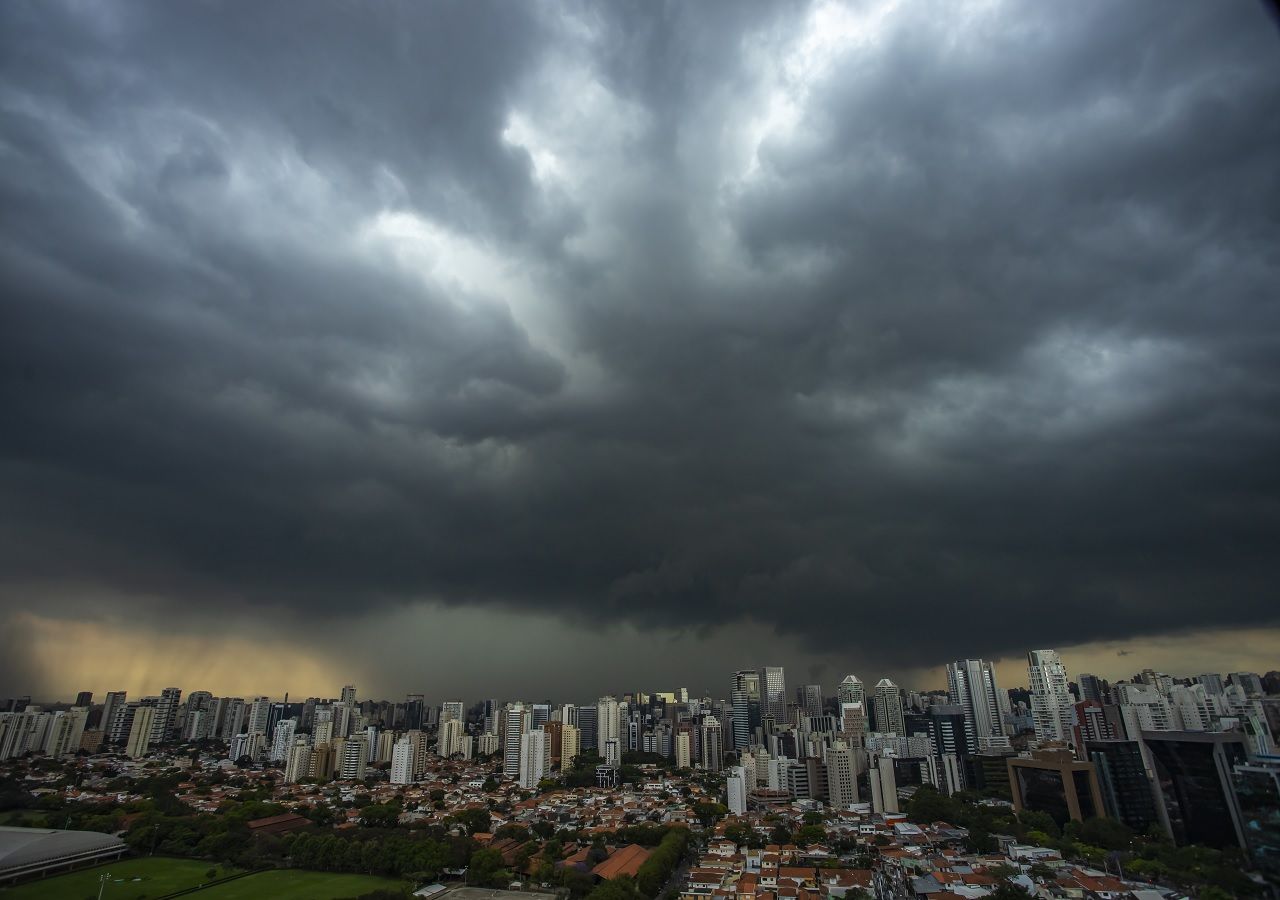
907,331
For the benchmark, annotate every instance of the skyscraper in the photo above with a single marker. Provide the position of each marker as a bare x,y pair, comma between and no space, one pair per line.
535,758
773,694
515,723
165,715
744,695
888,708
851,690
141,731
842,776
972,685
736,791
607,724
1052,706
809,699
712,744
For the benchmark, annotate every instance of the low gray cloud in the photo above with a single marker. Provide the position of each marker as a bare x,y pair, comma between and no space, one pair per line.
904,332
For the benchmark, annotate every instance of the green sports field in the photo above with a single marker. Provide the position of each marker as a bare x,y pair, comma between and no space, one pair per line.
152,877
131,879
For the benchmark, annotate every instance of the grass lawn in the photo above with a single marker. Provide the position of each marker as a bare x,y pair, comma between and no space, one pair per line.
159,876
296,884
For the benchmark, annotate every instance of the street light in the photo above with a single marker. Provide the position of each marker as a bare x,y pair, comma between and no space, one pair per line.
102,883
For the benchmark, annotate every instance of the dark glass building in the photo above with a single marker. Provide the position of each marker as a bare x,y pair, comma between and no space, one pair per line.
1127,792
1195,797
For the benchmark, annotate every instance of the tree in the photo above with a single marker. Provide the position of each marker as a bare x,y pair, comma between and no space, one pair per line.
620,888
1007,890
485,869
474,820
1109,834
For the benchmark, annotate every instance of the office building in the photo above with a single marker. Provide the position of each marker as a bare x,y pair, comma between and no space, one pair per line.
1195,796
809,700
1127,793
773,695
972,686
745,699
1054,782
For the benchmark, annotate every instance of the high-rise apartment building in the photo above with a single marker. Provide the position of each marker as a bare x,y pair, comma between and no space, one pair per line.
888,708
282,740
402,762
684,754
712,744
535,758
515,722
570,745
299,762
113,701
166,714
736,791
452,710
140,732
608,726
1052,706
842,776
355,756
587,716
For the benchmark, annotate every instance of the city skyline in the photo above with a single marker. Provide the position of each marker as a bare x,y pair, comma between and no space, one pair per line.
487,344
1011,675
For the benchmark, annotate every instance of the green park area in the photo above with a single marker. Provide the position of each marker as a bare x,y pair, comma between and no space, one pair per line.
154,877
134,879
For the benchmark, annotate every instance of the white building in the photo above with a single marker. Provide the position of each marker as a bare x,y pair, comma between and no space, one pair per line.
1052,706
535,758
736,785
684,757
402,762
282,743
888,707
299,762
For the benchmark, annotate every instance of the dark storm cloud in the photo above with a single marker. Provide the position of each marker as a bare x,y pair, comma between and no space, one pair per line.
911,336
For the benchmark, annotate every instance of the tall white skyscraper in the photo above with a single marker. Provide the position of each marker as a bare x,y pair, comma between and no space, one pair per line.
607,723
736,788
402,762
452,710
888,707
516,720
1052,706
282,741
972,685
259,715
535,758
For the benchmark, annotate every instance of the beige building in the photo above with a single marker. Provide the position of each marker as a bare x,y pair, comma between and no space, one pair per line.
140,734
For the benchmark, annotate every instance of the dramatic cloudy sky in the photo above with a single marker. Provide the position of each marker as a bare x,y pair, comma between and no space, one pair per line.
547,348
